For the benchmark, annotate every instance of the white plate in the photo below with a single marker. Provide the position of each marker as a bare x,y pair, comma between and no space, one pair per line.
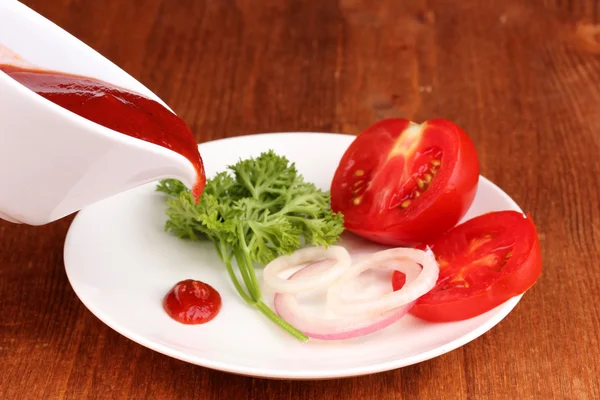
121,263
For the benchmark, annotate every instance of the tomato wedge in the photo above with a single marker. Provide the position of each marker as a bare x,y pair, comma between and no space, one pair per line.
401,183
483,262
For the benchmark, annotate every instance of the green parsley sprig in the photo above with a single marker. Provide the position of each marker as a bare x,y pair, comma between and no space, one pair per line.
259,211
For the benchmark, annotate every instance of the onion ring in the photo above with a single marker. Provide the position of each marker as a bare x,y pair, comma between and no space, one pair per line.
302,256
410,292
337,328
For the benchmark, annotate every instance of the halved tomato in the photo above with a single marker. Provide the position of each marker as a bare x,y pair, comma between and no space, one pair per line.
401,183
483,262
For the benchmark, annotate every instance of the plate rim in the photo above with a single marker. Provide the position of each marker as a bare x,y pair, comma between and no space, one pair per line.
502,310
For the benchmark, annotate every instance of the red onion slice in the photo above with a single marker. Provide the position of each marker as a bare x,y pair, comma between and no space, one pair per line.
305,255
410,292
336,328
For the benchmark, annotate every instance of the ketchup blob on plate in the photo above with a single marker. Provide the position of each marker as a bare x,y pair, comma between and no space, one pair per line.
192,302
118,109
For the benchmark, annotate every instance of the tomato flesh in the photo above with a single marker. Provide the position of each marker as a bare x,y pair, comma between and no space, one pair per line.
483,263
400,183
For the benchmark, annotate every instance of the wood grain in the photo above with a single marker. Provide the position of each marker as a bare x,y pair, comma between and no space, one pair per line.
521,77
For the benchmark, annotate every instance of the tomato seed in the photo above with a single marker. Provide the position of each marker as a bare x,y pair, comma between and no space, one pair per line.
359,172
436,163
405,203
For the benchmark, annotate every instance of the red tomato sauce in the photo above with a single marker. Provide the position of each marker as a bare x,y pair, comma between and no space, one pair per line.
192,302
115,108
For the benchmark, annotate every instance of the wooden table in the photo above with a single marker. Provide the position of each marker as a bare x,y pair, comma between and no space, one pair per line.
521,77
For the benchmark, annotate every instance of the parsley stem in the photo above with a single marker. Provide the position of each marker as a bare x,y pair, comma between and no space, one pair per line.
249,263
227,260
263,308
252,288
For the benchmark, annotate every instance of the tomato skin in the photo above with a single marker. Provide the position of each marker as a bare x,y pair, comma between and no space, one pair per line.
520,273
436,210
398,280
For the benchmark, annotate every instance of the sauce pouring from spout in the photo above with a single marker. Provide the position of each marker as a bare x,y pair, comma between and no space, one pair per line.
76,129
115,108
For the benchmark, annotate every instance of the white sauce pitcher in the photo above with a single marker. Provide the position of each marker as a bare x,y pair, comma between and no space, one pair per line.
52,161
